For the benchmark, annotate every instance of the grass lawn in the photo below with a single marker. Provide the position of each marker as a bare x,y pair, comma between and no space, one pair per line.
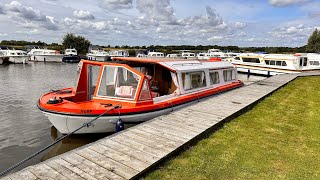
279,138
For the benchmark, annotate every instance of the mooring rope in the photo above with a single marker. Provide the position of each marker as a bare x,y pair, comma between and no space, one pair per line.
87,124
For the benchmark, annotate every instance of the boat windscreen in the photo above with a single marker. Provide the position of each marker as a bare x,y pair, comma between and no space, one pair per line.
79,68
118,82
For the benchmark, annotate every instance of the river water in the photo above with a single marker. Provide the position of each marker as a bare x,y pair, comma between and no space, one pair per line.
24,129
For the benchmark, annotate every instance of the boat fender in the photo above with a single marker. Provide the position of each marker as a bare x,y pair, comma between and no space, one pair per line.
119,125
54,100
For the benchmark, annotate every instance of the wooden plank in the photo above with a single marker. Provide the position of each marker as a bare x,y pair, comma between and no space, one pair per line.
107,163
42,171
183,125
139,146
148,142
23,174
74,169
194,121
160,140
120,157
62,170
140,155
157,132
186,132
90,167
6,178
164,129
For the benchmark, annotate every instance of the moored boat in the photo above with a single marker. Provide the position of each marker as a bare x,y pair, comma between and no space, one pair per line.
119,53
144,88
15,56
45,55
273,64
71,56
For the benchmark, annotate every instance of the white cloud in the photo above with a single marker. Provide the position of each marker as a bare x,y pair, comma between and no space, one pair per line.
159,10
27,16
215,38
85,15
114,5
240,25
282,3
3,34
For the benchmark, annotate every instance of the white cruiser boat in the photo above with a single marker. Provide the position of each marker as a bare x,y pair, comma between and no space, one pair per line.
119,53
156,54
272,64
216,53
71,52
71,56
45,55
98,55
188,55
173,56
15,56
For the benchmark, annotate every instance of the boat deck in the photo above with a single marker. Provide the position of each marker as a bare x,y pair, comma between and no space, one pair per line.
132,152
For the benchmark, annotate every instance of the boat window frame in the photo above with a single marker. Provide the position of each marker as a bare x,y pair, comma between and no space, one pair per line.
210,79
132,70
197,88
233,75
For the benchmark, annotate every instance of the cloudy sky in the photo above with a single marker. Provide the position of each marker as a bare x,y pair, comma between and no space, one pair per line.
162,22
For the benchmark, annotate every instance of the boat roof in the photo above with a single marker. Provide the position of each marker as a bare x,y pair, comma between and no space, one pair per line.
180,64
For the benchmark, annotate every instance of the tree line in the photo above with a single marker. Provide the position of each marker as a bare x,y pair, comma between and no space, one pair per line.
82,44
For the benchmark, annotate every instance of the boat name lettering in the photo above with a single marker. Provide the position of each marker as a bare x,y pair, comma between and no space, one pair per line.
86,110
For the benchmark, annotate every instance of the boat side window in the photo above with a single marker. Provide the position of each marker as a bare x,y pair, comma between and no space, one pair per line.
214,77
278,63
316,63
193,80
311,62
272,63
229,75
251,60
284,63
267,62
118,82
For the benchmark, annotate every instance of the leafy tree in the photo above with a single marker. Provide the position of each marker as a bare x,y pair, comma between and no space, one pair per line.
314,42
80,43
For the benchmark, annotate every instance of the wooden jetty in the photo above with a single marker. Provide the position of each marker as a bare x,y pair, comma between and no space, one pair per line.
132,152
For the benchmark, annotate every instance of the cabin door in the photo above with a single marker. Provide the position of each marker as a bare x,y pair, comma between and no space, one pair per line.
93,72
303,61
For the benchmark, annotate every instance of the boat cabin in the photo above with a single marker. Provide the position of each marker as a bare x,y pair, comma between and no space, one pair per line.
145,80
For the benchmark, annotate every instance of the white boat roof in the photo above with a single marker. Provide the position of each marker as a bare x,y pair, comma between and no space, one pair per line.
195,65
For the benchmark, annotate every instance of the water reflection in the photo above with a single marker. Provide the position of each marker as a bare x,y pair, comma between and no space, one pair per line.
70,143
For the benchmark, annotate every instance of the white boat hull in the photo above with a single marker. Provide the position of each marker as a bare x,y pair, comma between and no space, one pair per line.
263,71
105,124
19,59
98,58
47,58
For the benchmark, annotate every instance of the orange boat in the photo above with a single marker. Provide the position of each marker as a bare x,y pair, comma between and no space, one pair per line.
144,88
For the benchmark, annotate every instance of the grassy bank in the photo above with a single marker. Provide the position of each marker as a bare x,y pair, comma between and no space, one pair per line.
279,138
